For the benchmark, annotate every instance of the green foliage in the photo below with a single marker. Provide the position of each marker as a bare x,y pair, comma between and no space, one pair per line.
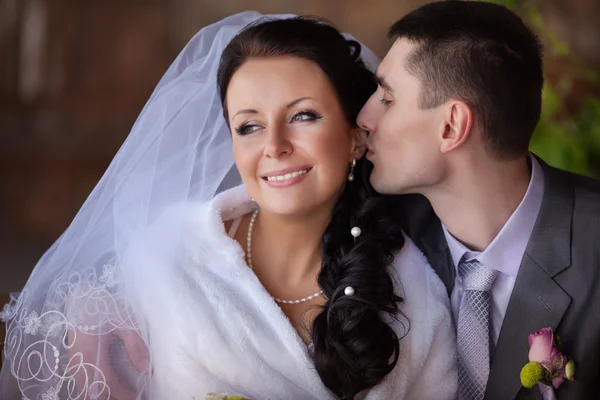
512,4
564,138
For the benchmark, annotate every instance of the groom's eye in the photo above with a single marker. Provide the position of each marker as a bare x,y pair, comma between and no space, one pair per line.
385,102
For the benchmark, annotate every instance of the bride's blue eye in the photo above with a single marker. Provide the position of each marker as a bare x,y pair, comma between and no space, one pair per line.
300,116
246,129
304,116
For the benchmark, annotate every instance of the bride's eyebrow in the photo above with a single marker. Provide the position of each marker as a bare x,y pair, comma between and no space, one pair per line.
246,111
301,99
384,84
289,105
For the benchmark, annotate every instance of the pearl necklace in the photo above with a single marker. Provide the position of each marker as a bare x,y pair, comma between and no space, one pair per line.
249,260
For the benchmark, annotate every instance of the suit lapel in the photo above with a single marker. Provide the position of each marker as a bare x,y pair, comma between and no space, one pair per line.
536,301
425,229
434,245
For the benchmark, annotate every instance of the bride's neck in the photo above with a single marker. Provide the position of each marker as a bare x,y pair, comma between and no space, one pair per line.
289,248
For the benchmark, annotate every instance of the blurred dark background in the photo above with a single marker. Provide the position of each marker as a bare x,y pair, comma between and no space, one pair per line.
74,74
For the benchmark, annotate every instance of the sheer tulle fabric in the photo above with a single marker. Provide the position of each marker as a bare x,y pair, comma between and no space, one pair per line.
75,331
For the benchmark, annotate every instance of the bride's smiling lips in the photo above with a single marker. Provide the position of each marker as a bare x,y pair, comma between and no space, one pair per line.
286,177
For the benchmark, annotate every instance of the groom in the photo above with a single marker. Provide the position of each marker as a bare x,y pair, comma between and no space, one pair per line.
516,242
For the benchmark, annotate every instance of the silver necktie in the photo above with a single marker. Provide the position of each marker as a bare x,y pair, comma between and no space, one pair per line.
473,331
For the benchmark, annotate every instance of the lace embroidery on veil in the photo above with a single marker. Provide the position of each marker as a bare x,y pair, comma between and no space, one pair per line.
87,306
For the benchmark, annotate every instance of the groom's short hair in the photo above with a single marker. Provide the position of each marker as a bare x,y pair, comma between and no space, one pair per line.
484,55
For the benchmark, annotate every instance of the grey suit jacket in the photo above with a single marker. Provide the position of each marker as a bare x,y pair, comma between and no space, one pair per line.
558,284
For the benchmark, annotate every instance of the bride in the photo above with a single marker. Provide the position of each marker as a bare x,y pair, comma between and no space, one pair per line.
173,281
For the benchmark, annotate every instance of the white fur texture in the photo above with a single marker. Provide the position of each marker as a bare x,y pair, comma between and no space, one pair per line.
212,327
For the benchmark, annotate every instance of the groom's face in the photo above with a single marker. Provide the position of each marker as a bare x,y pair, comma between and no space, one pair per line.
404,140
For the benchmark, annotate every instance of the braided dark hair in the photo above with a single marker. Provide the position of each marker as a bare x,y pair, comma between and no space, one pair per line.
354,347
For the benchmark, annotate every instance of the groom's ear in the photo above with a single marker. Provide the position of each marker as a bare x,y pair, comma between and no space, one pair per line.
458,124
359,143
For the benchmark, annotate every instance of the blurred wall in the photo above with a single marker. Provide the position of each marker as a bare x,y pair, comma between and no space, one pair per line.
75,73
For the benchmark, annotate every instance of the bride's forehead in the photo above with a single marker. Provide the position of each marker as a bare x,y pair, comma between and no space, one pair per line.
282,80
275,69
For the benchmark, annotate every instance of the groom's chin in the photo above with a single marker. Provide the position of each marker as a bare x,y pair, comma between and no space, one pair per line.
388,186
380,185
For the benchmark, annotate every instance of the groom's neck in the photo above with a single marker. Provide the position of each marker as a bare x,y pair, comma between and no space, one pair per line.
478,197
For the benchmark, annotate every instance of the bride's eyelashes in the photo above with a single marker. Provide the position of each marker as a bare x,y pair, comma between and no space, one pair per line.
308,115
305,116
246,128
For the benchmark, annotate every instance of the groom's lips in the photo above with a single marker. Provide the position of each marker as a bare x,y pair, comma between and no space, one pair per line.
369,147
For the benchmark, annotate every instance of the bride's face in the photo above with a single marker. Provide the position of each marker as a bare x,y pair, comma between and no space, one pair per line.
291,142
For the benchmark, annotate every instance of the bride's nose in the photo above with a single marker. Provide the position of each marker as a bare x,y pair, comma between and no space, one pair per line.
276,143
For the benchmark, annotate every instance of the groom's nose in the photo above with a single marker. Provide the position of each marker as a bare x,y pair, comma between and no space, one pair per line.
369,115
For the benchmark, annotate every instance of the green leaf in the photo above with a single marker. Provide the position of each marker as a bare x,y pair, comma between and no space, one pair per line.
560,47
558,342
558,147
546,377
535,17
550,102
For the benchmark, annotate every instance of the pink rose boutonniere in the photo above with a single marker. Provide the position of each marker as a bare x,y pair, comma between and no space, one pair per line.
547,365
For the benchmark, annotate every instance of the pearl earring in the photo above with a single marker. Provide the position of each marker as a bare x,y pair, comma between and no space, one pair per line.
351,174
349,291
